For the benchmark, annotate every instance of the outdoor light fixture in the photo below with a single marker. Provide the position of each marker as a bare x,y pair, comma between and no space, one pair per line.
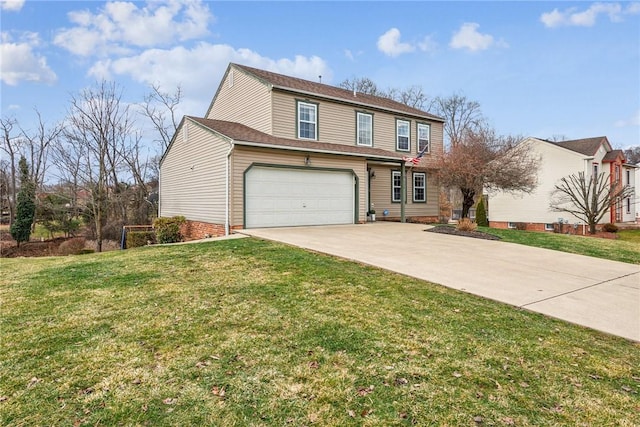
307,161
372,174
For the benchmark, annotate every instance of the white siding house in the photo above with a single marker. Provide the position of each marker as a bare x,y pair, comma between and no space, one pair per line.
560,159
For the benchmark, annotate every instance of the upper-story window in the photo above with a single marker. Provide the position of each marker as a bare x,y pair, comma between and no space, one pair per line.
364,129
628,174
424,136
403,140
595,171
307,120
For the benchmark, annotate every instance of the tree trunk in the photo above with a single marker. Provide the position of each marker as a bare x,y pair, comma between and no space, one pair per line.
592,228
467,201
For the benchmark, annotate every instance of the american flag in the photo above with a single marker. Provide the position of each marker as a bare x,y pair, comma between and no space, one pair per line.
415,160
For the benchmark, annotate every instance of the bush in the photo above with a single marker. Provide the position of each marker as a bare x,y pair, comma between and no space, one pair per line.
73,246
521,226
168,229
465,224
610,228
481,214
135,239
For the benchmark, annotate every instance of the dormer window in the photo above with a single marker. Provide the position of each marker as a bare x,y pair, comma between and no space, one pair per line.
307,120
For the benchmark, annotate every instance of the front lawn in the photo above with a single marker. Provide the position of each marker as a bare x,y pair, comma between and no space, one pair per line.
252,333
626,248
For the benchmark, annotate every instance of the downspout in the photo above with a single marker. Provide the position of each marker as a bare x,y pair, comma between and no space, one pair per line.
403,189
226,189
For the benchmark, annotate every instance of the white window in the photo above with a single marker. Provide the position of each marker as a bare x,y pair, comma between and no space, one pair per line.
595,171
419,187
403,141
365,129
424,132
307,120
396,186
548,227
511,225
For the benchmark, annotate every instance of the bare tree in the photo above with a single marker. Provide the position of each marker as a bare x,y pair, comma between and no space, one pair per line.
11,146
161,108
362,85
588,198
632,155
37,146
461,116
484,160
99,126
413,96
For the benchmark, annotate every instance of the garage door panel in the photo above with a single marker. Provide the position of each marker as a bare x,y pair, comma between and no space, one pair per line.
277,197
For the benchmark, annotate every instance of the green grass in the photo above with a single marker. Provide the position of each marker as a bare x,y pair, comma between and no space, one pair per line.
251,333
625,249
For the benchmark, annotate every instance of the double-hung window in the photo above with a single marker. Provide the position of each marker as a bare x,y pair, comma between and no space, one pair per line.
419,187
424,137
396,186
364,129
403,140
307,120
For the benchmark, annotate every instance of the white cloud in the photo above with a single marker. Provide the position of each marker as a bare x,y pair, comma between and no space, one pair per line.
11,5
428,44
197,70
389,44
587,18
120,26
21,63
468,37
349,54
634,120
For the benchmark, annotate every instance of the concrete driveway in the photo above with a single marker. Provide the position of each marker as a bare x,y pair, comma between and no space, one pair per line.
593,292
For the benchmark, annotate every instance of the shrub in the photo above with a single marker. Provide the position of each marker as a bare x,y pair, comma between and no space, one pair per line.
73,246
26,206
521,226
168,229
481,214
465,224
135,239
610,228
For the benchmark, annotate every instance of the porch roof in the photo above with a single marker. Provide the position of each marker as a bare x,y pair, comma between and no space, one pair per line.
246,136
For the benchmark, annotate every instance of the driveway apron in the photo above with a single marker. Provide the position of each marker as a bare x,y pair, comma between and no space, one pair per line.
597,293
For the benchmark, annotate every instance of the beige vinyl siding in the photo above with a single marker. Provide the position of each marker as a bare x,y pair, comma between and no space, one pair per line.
381,193
337,124
192,176
247,101
243,157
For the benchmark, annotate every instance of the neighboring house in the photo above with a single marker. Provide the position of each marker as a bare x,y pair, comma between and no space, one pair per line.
275,151
558,160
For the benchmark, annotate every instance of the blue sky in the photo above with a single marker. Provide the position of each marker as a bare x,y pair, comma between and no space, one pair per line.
536,68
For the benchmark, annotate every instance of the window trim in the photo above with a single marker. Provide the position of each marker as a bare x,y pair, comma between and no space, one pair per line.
408,122
316,106
548,227
424,187
511,225
395,173
628,176
428,126
628,205
358,114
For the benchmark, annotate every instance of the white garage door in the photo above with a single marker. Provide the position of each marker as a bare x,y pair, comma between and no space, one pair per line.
279,197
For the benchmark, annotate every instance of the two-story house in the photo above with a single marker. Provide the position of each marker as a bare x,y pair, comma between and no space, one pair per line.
274,151
560,159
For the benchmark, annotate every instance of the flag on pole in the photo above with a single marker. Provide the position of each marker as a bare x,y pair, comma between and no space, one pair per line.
415,160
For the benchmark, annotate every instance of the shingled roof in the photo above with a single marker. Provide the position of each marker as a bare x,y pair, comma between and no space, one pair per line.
298,85
586,146
244,135
613,155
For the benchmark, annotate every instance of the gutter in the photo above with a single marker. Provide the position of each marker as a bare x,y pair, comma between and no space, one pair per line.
315,150
226,189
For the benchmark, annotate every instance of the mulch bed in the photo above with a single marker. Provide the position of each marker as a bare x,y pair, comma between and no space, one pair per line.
445,229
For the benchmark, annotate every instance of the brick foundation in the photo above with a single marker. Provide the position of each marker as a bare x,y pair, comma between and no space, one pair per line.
193,230
537,226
